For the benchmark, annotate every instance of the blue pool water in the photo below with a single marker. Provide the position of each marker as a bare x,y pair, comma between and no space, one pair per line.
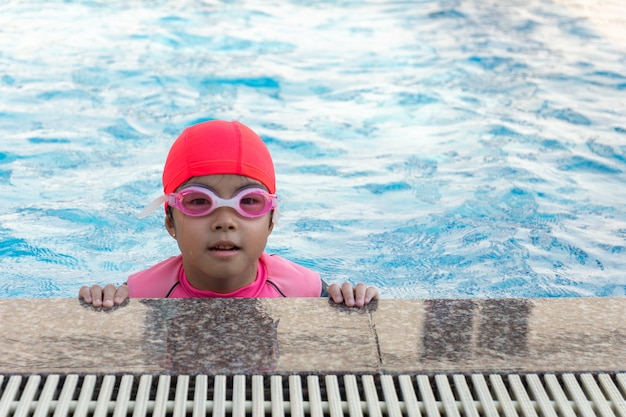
432,148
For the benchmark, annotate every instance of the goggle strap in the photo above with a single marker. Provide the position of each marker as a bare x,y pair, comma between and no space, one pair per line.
275,214
153,206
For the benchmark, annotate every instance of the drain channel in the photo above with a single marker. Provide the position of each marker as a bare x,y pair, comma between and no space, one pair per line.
314,395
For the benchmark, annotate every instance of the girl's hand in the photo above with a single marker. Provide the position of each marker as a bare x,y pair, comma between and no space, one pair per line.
352,296
105,298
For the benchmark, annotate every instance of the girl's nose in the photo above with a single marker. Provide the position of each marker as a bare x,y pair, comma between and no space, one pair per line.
224,218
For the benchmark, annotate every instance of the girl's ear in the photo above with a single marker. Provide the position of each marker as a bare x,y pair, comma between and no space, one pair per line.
273,219
169,224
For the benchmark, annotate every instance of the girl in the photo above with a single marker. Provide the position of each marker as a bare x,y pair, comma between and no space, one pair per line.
220,205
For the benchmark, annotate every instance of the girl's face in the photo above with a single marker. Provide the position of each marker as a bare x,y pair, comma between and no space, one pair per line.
220,250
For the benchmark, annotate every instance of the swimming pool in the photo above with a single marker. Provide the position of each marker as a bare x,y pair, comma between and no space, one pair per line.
432,148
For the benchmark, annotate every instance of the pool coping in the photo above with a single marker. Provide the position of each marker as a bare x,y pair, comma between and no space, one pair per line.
309,336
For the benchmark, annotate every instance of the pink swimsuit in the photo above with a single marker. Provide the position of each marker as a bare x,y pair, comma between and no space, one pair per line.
276,277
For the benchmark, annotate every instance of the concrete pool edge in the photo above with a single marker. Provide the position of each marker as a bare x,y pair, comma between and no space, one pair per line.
308,336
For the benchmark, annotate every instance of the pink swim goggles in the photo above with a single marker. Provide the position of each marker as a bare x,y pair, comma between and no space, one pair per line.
197,201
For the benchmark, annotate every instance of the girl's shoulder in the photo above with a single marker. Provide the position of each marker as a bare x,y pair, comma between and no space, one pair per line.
156,281
291,279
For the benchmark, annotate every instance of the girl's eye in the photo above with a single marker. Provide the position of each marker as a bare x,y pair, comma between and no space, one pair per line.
199,202
196,200
250,201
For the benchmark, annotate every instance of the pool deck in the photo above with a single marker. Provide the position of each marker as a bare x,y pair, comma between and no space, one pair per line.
284,336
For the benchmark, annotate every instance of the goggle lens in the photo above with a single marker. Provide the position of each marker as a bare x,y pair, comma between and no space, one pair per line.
195,202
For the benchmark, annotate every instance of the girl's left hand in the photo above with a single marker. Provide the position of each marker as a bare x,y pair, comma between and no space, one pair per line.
352,296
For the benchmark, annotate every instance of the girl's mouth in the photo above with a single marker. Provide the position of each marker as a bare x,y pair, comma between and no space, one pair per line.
224,250
228,247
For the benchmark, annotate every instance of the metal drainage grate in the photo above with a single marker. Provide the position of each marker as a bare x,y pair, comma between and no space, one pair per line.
312,395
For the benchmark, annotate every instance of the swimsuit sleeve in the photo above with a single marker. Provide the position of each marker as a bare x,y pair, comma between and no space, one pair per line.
291,279
156,281
324,289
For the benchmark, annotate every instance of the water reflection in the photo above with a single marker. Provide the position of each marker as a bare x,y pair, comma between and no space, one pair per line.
503,327
456,330
447,330
211,336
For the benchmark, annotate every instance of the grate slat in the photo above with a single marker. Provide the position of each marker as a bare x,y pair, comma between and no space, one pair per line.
597,398
521,395
563,405
540,395
409,397
143,396
180,397
333,396
315,396
258,407
219,396
619,404
484,396
505,403
371,396
582,404
104,397
86,394
123,397
447,397
467,401
10,394
2,401
239,395
67,394
352,396
428,396
391,398
45,398
278,406
295,396
28,395
162,396
621,380
200,391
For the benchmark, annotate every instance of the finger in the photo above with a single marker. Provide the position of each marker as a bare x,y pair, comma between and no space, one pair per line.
334,292
96,296
107,296
347,290
359,294
371,294
121,294
84,294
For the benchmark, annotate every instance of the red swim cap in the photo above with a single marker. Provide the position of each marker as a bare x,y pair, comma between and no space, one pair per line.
218,147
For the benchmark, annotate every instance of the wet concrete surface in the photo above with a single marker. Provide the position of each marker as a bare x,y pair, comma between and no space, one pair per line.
278,336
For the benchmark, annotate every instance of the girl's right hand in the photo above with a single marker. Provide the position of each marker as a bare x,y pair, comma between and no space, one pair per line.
105,298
